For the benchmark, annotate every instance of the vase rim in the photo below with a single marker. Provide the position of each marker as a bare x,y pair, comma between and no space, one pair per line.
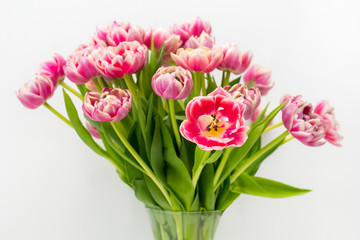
188,212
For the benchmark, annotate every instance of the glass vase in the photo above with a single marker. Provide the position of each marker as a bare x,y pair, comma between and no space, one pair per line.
168,225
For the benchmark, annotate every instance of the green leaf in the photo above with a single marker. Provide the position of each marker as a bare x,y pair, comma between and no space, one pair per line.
225,197
199,153
143,194
261,116
213,158
235,81
156,159
83,90
156,194
140,114
263,187
79,128
149,130
187,153
206,190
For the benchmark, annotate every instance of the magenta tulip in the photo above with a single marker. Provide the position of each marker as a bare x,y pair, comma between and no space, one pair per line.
214,122
234,60
53,69
110,105
259,77
172,82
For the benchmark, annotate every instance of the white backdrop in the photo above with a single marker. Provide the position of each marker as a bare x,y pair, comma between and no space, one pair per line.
53,187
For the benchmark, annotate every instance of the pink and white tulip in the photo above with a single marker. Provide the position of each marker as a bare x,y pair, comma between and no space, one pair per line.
190,28
234,60
36,91
259,77
110,105
102,32
250,97
92,130
303,124
80,67
214,122
114,62
91,86
332,134
202,59
172,82
172,42
204,40
53,69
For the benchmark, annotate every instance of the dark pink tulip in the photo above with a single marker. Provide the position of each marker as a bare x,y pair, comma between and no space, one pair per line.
260,78
204,40
250,97
92,130
53,69
234,60
114,62
201,59
332,134
214,122
172,42
80,67
305,125
172,82
36,91
110,105
190,28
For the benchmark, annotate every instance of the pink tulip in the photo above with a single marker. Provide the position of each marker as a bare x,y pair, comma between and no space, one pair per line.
36,91
250,97
190,28
234,60
104,31
332,134
141,35
260,78
305,125
110,105
204,40
91,86
214,122
200,60
172,82
80,66
114,62
92,130
172,42
53,69
96,42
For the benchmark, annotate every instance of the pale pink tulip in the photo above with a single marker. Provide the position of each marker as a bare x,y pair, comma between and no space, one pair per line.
110,105
36,91
80,67
259,77
204,40
96,42
91,86
102,32
190,28
200,60
53,69
250,97
172,42
214,122
172,82
305,125
92,130
332,134
141,35
234,60
114,62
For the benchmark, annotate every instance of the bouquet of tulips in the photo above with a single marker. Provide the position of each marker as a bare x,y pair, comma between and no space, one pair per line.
180,139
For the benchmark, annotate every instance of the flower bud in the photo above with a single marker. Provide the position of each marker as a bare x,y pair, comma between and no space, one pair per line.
172,42
234,60
172,82
259,77
110,105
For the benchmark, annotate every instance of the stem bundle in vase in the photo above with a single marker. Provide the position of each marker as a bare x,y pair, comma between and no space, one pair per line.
184,141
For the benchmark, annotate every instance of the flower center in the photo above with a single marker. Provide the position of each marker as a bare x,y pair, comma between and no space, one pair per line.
212,125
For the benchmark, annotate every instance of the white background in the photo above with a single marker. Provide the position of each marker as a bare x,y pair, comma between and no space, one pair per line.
53,187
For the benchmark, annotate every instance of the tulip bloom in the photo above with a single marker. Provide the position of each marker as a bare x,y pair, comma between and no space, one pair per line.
172,42
214,122
190,28
92,130
260,77
200,60
104,31
204,40
114,62
80,66
332,134
110,105
234,60
53,69
172,82
36,91
303,124
250,97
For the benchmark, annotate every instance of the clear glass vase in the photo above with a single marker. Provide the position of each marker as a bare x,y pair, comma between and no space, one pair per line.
168,225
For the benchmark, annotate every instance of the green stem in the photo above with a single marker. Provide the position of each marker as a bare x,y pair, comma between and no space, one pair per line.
129,80
57,114
97,84
117,82
141,162
247,162
221,167
174,123
287,139
73,91
272,127
199,169
225,81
